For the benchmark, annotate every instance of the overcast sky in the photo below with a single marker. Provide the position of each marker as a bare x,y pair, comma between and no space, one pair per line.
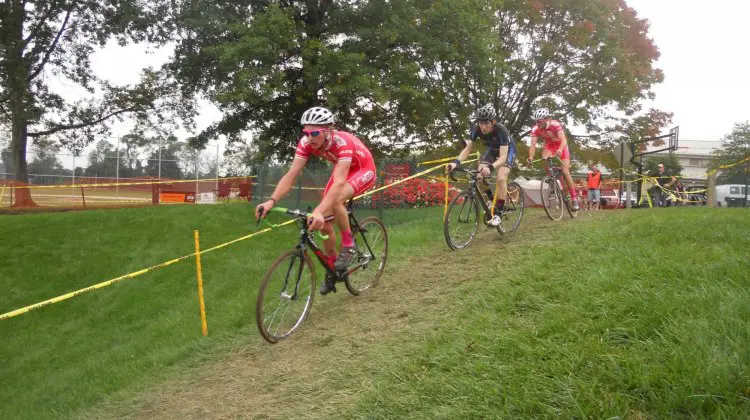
702,55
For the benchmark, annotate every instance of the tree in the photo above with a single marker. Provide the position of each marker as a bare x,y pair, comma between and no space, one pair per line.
735,147
46,162
191,162
102,160
591,62
670,161
134,145
170,154
265,62
57,37
407,75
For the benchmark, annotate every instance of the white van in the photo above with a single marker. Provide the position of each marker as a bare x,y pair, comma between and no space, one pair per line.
730,195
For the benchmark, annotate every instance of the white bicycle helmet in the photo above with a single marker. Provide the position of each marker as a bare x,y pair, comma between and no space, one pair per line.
541,114
317,115
486,112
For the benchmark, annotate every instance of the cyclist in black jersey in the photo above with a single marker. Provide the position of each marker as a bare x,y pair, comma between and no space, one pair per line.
500,154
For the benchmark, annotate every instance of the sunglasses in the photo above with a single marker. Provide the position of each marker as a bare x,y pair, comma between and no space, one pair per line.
314,133
485,121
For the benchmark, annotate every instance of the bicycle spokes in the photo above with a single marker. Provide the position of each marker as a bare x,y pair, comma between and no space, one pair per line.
466,210
286,295
371,251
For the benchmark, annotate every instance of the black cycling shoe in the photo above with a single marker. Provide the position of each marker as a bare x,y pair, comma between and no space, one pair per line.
329,285
345,258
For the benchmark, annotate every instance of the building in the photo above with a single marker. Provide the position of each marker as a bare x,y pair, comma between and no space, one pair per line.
694,156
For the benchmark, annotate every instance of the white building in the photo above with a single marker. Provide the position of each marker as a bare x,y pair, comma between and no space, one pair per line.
694,156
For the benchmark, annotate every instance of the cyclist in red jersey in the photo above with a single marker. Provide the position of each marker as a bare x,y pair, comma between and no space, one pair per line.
353,174
555,143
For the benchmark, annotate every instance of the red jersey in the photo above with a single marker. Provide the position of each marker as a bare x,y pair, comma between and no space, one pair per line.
549,134
342,146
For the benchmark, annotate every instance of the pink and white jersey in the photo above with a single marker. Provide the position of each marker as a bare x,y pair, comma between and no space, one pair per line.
343,146
549,134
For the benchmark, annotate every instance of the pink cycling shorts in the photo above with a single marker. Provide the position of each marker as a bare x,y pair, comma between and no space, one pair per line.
361,180
553,150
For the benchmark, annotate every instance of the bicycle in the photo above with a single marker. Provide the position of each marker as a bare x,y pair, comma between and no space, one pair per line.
295,287
552,193
466,204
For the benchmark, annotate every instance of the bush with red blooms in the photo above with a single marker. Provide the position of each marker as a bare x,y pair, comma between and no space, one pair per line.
414,193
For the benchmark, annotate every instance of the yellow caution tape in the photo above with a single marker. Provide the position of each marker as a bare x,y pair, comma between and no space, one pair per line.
727,166
429,162
128,276
176,260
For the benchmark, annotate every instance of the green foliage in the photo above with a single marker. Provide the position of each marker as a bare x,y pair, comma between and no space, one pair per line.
43,38
735,147
46,162
671,163
407,75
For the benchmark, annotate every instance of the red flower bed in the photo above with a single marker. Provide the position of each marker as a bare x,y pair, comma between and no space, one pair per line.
414,193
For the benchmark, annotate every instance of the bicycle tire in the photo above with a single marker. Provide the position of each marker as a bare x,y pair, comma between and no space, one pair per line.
516,207
546,194
360,269
459,203
292,269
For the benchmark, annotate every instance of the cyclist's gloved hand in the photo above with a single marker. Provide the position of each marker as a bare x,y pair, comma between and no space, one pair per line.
316,221
529,161
451,166
484,170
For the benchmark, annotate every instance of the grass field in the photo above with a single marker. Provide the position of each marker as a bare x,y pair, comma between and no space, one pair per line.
638,314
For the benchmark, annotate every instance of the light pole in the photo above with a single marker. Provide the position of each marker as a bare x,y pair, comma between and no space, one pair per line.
117,171
161,143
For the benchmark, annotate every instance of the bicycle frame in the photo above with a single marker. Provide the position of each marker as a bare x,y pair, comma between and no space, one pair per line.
555,171
306,241
474,189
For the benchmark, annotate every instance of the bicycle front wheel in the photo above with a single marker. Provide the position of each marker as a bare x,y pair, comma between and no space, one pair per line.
552,199
461,221
286,295
372,250
513,211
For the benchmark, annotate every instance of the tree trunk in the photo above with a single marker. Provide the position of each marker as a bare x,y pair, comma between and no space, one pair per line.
19,100
18,147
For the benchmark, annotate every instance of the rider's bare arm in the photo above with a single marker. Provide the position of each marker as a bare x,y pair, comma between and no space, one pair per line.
532,148
340,172
286,181
563,141
465,152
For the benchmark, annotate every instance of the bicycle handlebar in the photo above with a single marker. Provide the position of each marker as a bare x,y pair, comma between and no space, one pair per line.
548,159
460,168
296,213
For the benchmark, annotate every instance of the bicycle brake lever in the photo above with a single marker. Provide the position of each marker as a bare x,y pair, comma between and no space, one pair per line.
260,217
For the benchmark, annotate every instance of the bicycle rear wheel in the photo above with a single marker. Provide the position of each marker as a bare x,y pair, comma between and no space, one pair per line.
513,211
372,250
461,221
552,199
286,295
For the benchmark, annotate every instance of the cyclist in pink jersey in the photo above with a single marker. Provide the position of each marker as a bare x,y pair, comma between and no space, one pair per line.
555,143
353,174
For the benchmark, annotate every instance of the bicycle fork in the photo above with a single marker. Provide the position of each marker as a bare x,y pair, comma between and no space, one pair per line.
301,258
